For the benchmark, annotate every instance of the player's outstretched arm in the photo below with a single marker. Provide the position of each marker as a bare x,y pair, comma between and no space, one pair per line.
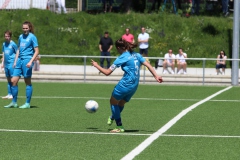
107,72
150,68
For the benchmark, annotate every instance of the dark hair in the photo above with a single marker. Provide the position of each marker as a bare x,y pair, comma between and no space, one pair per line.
30,25
223,53
8,32
125,45
106,32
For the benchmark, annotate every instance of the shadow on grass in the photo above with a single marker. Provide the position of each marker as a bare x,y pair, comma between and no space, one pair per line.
34,107
210,29
126,130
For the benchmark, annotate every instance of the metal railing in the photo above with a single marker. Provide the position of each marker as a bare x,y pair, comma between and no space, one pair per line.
200,71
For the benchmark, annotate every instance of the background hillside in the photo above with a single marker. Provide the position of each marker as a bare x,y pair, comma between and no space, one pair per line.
79,33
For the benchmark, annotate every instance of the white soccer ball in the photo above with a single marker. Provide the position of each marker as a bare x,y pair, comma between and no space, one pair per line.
91,106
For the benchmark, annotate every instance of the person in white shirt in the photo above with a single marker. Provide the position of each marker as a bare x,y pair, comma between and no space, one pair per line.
143,42
221,63
181,61
169,61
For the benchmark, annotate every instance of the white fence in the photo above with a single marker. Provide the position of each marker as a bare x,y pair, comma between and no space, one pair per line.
23,4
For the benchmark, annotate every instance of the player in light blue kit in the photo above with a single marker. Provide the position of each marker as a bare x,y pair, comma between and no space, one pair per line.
9,50
27,52
130,63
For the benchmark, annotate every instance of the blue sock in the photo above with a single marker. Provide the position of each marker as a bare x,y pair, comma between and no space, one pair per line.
115,111
29,90
14,90
116,114
9,88
120,109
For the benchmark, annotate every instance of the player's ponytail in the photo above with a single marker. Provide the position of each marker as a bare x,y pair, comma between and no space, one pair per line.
124,45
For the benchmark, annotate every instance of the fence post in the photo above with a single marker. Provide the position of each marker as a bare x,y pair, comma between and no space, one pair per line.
85,66
204,62
235,51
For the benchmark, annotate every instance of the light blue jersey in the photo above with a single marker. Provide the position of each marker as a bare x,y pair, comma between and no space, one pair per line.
26,44
9,50
130,64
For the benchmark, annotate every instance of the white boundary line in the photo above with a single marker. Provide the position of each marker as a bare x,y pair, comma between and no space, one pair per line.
155,135
121,134
200,136
69,132
148,99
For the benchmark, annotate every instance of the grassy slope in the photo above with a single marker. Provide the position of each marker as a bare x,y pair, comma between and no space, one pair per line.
79,33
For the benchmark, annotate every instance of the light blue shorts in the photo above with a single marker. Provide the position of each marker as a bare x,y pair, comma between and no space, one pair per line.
9,70
125,94
21,68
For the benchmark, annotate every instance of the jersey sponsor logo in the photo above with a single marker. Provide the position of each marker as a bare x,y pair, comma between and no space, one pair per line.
22,44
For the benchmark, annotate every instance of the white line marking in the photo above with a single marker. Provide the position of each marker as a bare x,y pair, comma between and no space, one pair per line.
200,136
69,132
126,134
148,99
155,135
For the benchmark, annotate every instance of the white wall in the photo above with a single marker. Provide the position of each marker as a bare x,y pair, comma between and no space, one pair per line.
23,4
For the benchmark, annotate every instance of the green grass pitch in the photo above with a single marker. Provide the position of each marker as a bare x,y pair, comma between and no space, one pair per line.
58,127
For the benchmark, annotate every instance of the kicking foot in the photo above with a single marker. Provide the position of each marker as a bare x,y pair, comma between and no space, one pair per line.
109,121
118,129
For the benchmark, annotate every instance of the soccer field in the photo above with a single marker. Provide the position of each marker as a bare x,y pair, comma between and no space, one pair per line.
161,122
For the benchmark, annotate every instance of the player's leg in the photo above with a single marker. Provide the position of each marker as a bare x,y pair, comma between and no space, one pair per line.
27,73
8,74
14,91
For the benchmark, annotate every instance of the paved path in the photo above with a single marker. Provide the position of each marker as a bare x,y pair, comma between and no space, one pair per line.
91,69
77,73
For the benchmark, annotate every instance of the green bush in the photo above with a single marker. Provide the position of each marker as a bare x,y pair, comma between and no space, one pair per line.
79,33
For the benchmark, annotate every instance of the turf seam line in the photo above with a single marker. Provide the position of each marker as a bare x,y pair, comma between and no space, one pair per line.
168,125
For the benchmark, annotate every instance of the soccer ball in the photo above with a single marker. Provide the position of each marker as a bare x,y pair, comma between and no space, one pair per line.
91,106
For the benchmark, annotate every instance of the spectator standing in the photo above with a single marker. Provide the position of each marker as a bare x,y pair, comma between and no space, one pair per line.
127,5
9,50
221,63
195,7
105,46
61,6
36,66
130,63
105,5
27,52
169,61
128,36
154,5
181,61
143,42
225,7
